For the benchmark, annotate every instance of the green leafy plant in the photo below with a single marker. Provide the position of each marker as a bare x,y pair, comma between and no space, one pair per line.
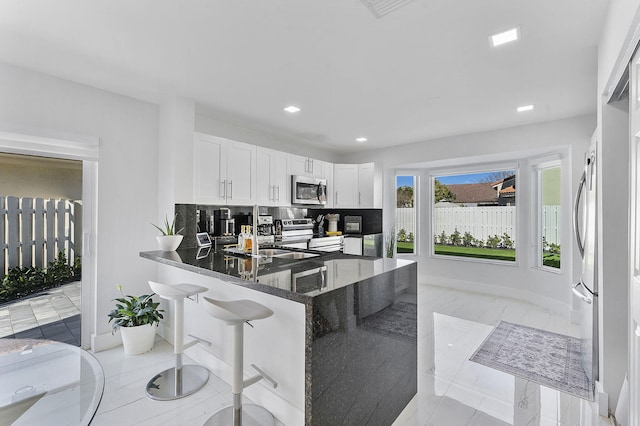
131,311
390,240
23,281
169,228
455,238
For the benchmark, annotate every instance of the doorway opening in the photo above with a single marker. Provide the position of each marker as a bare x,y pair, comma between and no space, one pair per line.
40,247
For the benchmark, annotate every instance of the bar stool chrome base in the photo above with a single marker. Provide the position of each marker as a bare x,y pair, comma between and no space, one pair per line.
177,383
252,415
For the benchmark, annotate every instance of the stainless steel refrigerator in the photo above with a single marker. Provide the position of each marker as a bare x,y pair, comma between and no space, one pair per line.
586,289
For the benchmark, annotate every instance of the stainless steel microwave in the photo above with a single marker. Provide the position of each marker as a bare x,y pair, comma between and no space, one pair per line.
307,190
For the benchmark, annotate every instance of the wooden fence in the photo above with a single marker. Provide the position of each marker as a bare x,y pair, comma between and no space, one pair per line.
481,222
34,230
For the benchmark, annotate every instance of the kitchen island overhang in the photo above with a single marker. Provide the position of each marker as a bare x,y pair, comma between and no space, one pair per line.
360,325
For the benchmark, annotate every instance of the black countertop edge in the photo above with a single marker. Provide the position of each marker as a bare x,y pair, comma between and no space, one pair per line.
166,258
175,259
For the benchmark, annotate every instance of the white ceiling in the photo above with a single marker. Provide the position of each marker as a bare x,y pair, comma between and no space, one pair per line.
421,72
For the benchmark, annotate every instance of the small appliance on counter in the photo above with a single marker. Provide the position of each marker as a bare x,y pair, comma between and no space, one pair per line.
224,225
353,225
265,230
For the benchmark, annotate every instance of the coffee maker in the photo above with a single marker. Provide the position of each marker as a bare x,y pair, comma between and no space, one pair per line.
224,223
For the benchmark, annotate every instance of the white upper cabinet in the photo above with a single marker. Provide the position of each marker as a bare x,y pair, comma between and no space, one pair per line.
272,177
366,176
224,171
304,166
345,184
355,186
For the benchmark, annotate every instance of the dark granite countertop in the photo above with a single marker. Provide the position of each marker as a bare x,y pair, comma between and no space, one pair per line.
300,280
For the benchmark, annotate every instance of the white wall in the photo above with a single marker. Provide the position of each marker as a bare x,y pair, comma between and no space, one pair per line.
127,169
218,127
513,144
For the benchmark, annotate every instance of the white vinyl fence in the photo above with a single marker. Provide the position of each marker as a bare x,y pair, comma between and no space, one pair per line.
481,222
34,230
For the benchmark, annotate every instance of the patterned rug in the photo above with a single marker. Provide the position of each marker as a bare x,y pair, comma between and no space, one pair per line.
398,320
549,359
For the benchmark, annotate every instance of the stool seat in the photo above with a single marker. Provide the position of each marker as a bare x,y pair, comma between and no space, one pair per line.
236,310
176,291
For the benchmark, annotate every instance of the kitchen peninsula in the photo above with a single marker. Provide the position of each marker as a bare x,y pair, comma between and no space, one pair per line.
342,343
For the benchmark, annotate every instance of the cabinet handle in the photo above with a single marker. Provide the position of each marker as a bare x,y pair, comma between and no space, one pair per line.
230,189
311,166
336,200
278,192
359,198
307,165
223,192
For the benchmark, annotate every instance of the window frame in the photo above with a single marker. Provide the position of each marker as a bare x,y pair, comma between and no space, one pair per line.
416,205
471,169
538,165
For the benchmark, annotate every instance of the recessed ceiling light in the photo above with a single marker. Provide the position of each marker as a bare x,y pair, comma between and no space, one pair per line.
292,109
525,108
361,139
505,37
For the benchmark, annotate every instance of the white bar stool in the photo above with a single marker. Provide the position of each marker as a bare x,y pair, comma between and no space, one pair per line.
235,313
181,380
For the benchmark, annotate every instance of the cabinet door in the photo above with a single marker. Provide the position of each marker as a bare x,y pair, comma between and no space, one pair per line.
328,174
209,169
241,169
345,177
299,165
316,168
365,185
281,179
265,185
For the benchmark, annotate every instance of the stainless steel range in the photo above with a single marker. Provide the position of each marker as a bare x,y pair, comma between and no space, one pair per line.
328,244
296,233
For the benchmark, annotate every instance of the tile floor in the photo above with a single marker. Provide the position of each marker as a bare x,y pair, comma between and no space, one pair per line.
53,314
452,390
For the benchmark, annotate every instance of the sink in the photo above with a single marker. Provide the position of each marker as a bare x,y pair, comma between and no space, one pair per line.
285,254
295,255
273,252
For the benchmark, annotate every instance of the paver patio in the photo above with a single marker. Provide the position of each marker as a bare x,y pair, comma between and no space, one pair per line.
52,314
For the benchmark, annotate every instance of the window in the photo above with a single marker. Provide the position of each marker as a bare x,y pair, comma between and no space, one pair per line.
549,196
474,215
405,214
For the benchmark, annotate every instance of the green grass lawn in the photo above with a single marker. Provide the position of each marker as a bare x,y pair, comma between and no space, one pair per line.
404,247
551,260
477,252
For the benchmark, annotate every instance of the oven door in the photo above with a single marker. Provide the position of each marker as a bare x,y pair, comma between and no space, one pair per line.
309,280
308,191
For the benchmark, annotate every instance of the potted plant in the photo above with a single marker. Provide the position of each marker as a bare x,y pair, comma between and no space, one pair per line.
170,239
137,317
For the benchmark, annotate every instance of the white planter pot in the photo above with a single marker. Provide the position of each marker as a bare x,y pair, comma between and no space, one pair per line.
138,340
169,242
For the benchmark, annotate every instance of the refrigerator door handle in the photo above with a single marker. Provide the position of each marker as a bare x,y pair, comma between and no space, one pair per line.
576,207
580,290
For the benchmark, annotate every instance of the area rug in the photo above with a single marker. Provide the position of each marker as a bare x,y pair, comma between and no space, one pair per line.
549,359
398,320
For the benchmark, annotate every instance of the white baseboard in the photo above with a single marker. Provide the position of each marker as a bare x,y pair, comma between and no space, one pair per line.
560,308
104,341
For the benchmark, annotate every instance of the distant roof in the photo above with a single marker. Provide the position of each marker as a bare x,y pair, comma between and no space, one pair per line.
473,193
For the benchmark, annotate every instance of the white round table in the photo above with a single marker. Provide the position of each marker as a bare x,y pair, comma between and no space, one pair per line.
47,382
